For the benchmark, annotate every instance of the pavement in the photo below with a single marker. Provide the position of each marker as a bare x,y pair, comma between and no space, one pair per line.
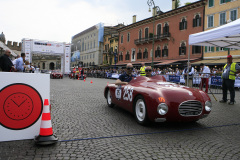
89,130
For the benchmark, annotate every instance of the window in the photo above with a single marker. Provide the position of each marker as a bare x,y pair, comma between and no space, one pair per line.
145,54
82,46
159,30
233,15
210,3
224,1
183,24
128,37
196,49
146,33
222,18
127,57
197,21
94,44
158,52
221,49
210,21
182,49
166,30
121,56
209,49
139,54
140,34
121,38
133,54
165,51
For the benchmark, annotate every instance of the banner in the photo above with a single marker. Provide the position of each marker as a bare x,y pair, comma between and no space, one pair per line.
216,80
67,58
174,78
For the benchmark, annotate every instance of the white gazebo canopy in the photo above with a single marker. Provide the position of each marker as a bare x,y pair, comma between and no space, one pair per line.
227,36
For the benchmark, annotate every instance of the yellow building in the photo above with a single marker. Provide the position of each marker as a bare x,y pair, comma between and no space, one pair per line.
217,13
110,43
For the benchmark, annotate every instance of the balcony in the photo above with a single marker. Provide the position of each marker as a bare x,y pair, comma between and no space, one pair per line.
150,39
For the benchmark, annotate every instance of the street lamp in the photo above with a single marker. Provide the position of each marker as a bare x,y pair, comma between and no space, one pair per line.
156,9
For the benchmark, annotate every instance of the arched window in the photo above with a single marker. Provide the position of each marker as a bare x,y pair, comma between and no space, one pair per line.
146,33
127,56
140,34
159,30
182,49
166,30
165,51
183,24
139,54
197,21
145,54
158,52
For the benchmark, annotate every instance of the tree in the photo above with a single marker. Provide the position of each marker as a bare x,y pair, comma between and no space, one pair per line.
187,3
177,4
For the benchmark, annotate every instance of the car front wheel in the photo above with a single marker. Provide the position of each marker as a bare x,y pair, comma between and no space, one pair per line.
141,111
109,99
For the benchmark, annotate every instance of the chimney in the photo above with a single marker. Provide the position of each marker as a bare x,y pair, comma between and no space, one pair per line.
173,4
154,12
134,18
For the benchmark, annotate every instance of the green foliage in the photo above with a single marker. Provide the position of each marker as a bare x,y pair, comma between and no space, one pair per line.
187,3
177,3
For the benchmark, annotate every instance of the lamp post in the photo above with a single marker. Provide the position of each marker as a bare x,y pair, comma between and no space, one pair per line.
156,9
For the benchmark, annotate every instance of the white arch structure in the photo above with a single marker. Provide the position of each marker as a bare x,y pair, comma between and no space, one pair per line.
41,47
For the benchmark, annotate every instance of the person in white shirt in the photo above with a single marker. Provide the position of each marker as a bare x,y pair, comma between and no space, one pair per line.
189,70
205,76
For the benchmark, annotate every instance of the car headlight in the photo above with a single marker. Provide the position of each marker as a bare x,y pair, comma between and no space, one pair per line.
162,109
208,106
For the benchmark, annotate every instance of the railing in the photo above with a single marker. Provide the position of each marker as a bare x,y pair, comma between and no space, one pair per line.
150,39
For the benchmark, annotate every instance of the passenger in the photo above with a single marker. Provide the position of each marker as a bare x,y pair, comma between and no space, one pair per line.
125,77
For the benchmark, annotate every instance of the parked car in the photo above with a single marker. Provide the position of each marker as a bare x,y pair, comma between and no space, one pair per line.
154,99
56,74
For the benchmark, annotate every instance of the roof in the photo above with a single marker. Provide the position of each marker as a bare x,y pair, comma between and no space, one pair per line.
4,47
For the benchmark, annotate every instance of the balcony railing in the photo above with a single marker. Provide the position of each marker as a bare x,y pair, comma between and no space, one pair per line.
150,39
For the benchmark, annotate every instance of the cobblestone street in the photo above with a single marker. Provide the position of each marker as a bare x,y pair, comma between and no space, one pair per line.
88,129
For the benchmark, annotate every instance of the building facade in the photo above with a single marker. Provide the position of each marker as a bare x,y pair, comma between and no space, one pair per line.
89,44
218,13
171,32
110,43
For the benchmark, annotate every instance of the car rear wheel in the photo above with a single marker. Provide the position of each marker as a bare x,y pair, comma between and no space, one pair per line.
109,99
141,111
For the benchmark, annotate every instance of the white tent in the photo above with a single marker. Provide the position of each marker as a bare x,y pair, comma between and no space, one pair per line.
227,36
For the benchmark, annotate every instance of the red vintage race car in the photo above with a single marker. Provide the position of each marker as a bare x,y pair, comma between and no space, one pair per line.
154,99
56,74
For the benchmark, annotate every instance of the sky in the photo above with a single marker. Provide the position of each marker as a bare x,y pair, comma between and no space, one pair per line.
59,20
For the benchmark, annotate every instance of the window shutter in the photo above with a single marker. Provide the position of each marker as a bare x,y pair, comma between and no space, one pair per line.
186,24
200,21
225,49
212,49
162,52
217,49
184,49
167,52
194,22
180,49
180,25
205,48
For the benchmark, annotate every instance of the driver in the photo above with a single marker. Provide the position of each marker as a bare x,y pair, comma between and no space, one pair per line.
148,71
125,77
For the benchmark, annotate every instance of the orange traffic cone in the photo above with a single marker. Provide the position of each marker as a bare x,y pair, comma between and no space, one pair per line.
46,136
91,81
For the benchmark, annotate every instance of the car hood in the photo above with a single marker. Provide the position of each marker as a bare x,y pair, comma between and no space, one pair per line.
172,91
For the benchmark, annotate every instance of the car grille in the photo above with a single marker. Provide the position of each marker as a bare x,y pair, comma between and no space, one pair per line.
190,108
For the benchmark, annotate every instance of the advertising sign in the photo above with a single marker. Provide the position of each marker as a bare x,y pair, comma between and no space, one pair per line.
47,47
216,80
21,104
67,58
174,78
